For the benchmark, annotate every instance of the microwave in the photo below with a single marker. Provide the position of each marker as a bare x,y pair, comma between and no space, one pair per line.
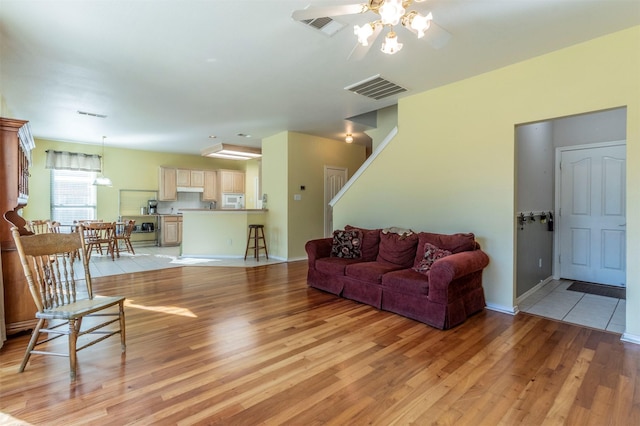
233,201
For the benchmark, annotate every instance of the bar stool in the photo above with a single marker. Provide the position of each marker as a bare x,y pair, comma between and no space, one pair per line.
256,233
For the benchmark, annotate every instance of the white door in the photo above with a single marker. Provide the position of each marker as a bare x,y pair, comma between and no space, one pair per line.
592,215
334,180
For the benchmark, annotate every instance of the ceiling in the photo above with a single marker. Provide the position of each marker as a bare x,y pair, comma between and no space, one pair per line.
168,74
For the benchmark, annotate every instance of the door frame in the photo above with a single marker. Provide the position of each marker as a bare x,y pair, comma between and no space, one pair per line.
557,199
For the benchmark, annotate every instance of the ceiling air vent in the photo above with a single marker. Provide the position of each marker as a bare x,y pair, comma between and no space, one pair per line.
376,87
325,25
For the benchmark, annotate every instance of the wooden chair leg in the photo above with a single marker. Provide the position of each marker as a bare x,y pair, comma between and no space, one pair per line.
73,339
264,241
32,343
123,334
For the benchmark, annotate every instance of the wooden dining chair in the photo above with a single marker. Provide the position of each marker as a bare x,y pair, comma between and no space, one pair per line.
55,277
54,227
39,226
125,237
99,236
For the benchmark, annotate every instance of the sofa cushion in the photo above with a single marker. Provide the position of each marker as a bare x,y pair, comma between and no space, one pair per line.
370,272
334,265
370,242
431,254
398,249
406,281
455,243
346,244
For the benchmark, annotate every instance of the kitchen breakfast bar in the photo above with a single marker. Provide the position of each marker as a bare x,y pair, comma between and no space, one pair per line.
219,232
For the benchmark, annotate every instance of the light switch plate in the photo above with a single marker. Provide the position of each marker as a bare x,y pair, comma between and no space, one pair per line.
297,197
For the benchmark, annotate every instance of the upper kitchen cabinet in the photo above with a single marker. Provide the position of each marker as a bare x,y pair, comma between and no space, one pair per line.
190,178
210,186
168,188
231,182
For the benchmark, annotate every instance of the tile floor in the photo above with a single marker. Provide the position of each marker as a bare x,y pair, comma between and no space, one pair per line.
553,300
150,258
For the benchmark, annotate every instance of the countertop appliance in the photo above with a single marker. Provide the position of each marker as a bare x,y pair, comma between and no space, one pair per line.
153,207
233,201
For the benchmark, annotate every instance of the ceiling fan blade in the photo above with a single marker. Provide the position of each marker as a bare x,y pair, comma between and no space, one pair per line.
359,51
437,36
321,12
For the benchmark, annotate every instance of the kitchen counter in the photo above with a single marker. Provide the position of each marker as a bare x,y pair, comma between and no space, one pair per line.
223,210
218,233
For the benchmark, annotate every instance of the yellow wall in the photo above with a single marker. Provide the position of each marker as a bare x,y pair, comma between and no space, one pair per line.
274,184
386,120
292,160
451,167
127,168
308,155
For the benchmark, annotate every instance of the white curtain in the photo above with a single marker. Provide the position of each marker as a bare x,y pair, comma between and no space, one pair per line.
63,160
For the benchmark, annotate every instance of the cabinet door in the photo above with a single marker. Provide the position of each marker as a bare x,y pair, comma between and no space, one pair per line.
170,232
168,189
226,181
238,182
183,177
210,193
197,178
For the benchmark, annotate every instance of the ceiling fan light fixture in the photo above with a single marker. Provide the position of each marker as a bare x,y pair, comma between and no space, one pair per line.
391,45
363,33
417,23
391,12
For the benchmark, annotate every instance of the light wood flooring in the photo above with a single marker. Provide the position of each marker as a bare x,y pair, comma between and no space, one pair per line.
236,346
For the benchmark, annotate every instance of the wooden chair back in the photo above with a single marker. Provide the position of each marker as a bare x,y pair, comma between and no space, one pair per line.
124,236
49,264
54,227
99,236
39,226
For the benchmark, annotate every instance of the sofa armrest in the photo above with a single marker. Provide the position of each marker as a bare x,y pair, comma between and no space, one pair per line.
317,249
450,268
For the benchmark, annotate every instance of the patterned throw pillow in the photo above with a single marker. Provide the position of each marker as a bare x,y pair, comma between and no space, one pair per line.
347,244
431,254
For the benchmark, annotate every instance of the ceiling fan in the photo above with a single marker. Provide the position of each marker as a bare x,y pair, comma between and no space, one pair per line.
390,13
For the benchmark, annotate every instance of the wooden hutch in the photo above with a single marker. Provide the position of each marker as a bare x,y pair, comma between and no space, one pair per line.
16,144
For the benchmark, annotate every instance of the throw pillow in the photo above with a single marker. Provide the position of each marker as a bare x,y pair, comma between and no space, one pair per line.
370,242
431,254
347,244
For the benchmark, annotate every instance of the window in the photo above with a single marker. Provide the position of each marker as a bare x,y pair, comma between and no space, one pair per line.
73,196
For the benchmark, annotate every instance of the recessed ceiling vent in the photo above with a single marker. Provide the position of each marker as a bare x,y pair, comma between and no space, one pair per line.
325,25
376,87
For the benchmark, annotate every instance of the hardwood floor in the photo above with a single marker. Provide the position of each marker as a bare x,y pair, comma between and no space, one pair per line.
216,345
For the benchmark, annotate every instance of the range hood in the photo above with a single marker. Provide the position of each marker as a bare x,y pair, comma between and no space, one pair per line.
189,189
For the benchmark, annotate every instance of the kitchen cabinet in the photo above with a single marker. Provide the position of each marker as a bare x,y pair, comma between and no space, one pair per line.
168,188
210,186
16,145
231,182
190,178
170,230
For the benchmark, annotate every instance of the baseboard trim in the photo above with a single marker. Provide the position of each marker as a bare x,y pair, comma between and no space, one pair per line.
504,309
630,338
533,289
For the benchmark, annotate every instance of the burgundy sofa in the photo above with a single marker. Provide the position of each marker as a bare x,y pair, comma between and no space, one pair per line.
385,276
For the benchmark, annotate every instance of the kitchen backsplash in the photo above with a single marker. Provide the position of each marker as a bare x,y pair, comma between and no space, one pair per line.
186,200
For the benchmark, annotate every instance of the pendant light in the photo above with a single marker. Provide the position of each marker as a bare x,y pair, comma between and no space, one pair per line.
102,180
